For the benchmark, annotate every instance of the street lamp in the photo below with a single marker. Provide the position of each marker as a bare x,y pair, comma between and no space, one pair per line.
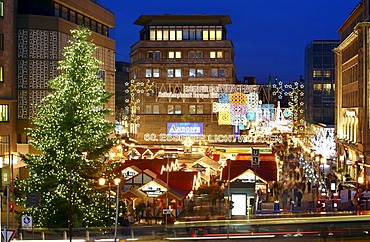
117,181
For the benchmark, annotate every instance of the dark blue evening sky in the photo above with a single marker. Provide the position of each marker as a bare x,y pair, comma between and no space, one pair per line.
269,37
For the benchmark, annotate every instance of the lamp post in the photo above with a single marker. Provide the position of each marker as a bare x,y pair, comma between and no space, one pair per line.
117,181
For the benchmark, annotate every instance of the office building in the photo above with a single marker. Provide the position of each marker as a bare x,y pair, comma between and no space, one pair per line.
319,81
174,64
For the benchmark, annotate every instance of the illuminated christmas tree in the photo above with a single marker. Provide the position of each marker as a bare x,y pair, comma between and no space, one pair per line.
72,135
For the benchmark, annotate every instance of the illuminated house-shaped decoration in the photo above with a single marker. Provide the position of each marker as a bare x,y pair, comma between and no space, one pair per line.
154,188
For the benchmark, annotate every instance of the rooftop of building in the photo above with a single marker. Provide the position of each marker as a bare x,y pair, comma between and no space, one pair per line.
192,19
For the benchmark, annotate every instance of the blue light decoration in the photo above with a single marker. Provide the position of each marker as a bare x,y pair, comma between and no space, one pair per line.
185,129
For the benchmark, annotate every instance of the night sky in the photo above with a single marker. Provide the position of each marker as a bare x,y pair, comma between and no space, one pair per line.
269,37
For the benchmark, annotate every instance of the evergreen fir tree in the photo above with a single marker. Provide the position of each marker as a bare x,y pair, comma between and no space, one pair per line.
72,135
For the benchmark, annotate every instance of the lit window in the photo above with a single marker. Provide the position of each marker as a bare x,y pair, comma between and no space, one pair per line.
212,54
317,87
159,35
4,113
172,35
317,73
169,72
199,109
212,35
192,109
152,35
200,73
171,55
205,35
327,88
191,72
178,54
165,34
1,9
327,74
1,74
170,109
155,109
179,34
155,72
177,72
219,54
148,109
218,34
148,72
177,109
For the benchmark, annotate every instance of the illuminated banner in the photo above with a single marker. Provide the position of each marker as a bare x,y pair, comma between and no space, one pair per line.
213,138
186,129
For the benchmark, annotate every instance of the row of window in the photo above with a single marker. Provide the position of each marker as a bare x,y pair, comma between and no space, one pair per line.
178,54
193,72
325,89
174,109
77,18
320,73
4,113
180,33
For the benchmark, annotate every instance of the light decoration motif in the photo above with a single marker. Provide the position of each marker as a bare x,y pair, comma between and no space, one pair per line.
296,103
136,88
295,94
323,142
278,90
236,108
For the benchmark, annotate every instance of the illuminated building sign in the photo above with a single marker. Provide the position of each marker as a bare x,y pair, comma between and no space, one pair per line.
212,138
187,129
207,91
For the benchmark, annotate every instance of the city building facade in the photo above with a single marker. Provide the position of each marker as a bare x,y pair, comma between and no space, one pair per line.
8,87
352,97
320,81
38,32
174,65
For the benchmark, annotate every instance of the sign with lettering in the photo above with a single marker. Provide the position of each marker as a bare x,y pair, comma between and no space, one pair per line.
153,189
255,157
188,129
212,138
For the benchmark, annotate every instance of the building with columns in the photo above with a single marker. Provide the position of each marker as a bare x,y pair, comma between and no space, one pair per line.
352,94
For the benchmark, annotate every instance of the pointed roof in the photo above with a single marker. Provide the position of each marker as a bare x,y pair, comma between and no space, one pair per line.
267,169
